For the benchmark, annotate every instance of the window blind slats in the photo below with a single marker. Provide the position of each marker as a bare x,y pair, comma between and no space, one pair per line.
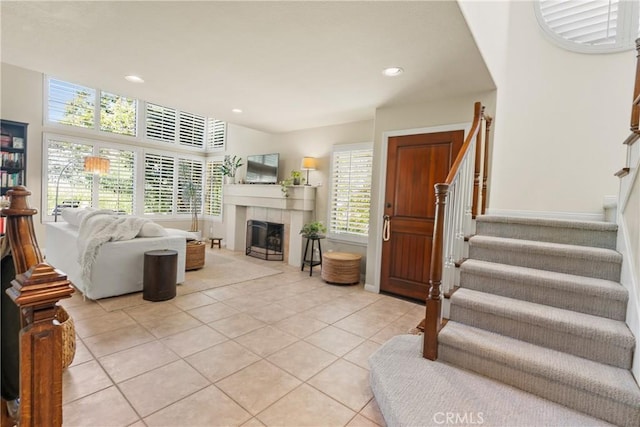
351,192
190,176
71,104
116,189
191,130
216,135
161,123
75,186
213,191
158,184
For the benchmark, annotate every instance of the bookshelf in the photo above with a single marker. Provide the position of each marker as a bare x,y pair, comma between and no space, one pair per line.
13,150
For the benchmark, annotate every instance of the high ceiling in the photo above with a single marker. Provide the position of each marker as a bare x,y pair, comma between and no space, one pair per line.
287,65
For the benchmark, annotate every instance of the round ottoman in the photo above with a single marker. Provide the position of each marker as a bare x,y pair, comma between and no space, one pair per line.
341,268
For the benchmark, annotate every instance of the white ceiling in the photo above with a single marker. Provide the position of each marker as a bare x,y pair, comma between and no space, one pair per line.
288,65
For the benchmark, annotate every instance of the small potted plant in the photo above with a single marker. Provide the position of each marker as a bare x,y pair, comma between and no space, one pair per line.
296,176
313,229
230,167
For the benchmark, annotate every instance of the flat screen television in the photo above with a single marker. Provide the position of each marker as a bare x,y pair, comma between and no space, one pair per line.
262,168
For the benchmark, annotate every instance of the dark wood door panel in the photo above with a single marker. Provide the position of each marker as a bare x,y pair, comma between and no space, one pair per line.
415,163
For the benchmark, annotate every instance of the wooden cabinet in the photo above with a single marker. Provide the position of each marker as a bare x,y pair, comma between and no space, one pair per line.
13,166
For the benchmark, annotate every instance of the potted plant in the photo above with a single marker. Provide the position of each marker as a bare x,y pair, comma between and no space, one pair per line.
230,167
191,193
296,176
313,229
284,186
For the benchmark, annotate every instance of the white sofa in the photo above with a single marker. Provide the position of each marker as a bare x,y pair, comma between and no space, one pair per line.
118,267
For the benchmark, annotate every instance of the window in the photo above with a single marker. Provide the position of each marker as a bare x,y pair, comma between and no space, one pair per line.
170,125
116,189
71,104
594,26
118,114
75,105
190,177
65,161
158,184
213,189
216,135
351,170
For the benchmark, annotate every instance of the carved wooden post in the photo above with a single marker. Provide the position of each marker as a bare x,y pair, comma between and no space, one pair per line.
485,168
475,208
635,107
36,290
433,318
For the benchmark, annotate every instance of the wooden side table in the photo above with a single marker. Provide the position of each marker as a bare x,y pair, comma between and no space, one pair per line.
310,261
341,268
160,275
216,241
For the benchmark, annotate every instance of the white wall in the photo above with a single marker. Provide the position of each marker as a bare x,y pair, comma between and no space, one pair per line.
21,101
561,116
437,113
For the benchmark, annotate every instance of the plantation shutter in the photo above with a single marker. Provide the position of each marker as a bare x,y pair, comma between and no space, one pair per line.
192,130
161,123
590,26
118,114
213,191
216,135
159,171
189,179
71,104
116,189
351,190
75,185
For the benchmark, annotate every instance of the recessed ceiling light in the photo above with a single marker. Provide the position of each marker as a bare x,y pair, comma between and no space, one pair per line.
134,79
237,110
392,71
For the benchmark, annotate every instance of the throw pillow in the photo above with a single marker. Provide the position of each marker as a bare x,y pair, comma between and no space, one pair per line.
151,229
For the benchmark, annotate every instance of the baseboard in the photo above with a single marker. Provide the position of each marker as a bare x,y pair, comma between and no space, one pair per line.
371,288
573,216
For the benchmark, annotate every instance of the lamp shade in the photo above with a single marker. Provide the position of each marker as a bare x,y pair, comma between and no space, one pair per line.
96,165
308,163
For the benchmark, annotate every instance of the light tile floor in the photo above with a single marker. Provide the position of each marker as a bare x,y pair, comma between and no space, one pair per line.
286,350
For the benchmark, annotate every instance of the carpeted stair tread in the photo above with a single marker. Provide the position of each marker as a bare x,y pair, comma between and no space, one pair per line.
571,259
584,233
603,380
578,293
410,390
593,337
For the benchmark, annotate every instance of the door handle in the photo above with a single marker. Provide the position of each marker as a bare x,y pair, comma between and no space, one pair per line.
386,228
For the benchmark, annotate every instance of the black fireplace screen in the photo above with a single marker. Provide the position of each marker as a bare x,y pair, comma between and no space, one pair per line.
265,240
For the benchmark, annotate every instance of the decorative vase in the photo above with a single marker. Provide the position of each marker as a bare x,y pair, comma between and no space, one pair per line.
296,181
230,179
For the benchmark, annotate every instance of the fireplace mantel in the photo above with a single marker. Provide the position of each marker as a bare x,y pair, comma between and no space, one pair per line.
293,211
301,197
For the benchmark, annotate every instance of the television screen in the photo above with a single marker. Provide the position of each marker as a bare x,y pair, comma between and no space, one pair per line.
262,168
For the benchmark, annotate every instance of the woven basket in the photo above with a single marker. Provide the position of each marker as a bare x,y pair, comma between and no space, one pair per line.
68,336
195,255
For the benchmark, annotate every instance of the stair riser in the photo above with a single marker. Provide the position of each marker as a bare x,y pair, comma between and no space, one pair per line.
555,297
578,399
572,236
588,347
589,267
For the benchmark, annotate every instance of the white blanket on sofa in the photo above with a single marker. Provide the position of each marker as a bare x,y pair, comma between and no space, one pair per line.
99,227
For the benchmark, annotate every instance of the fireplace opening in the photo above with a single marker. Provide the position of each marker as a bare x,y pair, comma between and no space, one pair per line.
265,240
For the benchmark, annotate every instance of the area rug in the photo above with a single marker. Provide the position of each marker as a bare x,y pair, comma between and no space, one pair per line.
219,270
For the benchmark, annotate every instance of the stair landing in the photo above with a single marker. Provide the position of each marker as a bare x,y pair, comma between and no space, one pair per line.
412,391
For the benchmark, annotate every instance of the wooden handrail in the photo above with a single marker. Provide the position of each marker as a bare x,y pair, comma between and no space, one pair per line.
433,318
36,290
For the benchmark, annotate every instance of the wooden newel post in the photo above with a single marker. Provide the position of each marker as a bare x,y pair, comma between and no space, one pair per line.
36,290
485,168
475,209
433,318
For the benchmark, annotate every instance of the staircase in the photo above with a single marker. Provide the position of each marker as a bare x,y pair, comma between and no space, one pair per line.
540,309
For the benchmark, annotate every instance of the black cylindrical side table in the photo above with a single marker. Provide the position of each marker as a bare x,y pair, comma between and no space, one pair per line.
160,275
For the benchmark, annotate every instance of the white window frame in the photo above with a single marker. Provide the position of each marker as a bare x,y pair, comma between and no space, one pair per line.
343,236
627,26
96,146
219,217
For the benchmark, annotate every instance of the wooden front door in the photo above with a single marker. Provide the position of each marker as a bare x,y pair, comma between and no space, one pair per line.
414,164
